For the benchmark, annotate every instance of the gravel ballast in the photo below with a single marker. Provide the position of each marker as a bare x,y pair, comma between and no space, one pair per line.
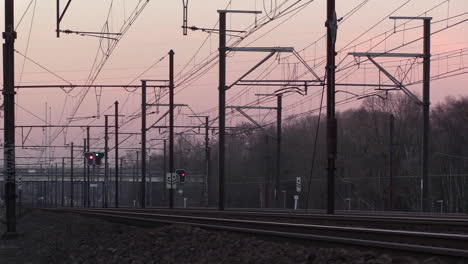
47,237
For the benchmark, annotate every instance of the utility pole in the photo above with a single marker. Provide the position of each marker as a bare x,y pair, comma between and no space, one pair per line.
222,107
106,159
116,154
63,183
427,203
9,118
332,28
171,126
143,144
71,175
390,159
279,109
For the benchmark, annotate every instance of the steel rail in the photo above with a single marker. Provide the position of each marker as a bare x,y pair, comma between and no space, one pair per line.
423,242
339,217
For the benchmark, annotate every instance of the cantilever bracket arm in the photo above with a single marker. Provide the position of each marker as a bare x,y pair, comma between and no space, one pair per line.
252,69
395,81
261,49
125,139
23,139
165,114
253,121
343,91
290,89
60,15
308,67
160,118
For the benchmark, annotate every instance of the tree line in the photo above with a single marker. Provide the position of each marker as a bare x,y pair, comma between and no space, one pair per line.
378,165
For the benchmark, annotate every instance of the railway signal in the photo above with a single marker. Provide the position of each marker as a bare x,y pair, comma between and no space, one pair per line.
94,158
90,157
98,158
182,174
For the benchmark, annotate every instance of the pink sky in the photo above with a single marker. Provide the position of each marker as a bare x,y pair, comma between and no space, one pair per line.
157,30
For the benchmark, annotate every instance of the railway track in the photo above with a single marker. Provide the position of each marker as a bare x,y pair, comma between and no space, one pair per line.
275,224
427,223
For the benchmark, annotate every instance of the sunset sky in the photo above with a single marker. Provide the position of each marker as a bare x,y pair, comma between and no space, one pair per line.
298,24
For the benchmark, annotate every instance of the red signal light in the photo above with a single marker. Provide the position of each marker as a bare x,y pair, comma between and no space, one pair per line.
182,174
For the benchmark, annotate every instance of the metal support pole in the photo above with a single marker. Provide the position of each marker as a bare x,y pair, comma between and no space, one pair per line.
149,193
46,156
426,111
46,185
332,28
44,193
121,169
88,201
133,189
222,107
109,192
135,177
9,117
164,165
20,192
185,23
268,177
95,190
57,29
207,159
106,160
143,144
278,148
171,125
63,183
116,154
50,186
83,184
71,175
56,185
390,159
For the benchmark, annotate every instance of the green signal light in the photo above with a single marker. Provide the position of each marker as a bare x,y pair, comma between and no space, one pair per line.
97,154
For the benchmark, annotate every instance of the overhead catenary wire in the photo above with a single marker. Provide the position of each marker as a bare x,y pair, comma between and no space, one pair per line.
361,64
28,41
95,70
254,28
24,13
44,68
